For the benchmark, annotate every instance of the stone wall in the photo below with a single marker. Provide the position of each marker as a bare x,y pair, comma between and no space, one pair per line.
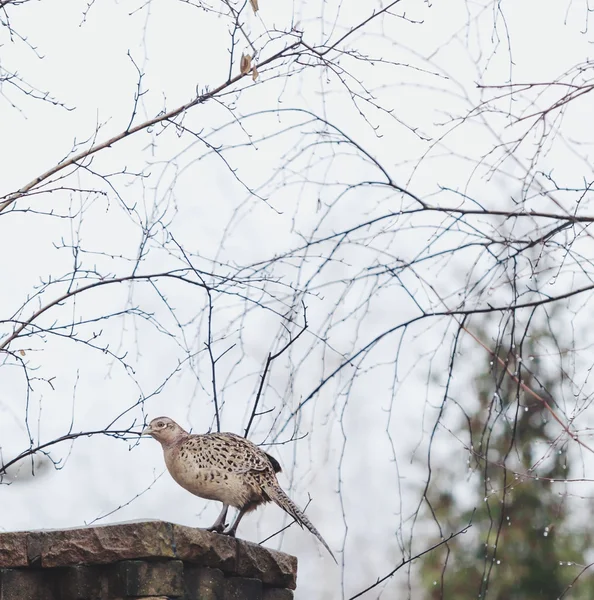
148,559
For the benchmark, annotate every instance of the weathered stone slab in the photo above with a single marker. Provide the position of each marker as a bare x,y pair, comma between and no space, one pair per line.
205,548
236,557
147,540
101,545
13,549
272,568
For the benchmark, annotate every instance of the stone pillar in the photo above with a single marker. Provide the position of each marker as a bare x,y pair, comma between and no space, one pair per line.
148,559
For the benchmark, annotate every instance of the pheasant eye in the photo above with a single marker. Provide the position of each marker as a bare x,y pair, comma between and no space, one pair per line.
160,424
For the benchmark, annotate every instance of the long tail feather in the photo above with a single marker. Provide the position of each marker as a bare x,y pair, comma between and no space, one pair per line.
278,496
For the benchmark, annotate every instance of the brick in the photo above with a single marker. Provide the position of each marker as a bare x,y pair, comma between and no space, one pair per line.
203,583
242,588
26,584
136,598
82,582
277,594
143,578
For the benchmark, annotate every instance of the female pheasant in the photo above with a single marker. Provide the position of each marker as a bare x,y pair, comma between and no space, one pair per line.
227,468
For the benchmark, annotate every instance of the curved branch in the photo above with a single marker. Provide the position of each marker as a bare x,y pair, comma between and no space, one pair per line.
64,438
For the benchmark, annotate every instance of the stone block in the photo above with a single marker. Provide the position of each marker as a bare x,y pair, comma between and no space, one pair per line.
203,583
26,584
13,550
101,545
242,588
82,582
136,598
148,578
277,594
274,569
205,548
235,557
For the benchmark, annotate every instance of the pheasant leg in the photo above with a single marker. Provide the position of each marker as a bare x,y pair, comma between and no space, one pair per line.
231,531
219,524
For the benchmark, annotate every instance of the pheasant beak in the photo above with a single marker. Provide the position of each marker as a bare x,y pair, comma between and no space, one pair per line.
148,431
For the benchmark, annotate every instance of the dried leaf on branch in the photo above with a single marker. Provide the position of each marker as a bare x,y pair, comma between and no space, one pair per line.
245,66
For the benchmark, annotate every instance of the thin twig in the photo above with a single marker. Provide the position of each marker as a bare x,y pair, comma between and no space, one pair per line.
74,160
271,357
409,560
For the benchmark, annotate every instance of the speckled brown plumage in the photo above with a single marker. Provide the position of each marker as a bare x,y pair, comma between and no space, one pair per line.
227,468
